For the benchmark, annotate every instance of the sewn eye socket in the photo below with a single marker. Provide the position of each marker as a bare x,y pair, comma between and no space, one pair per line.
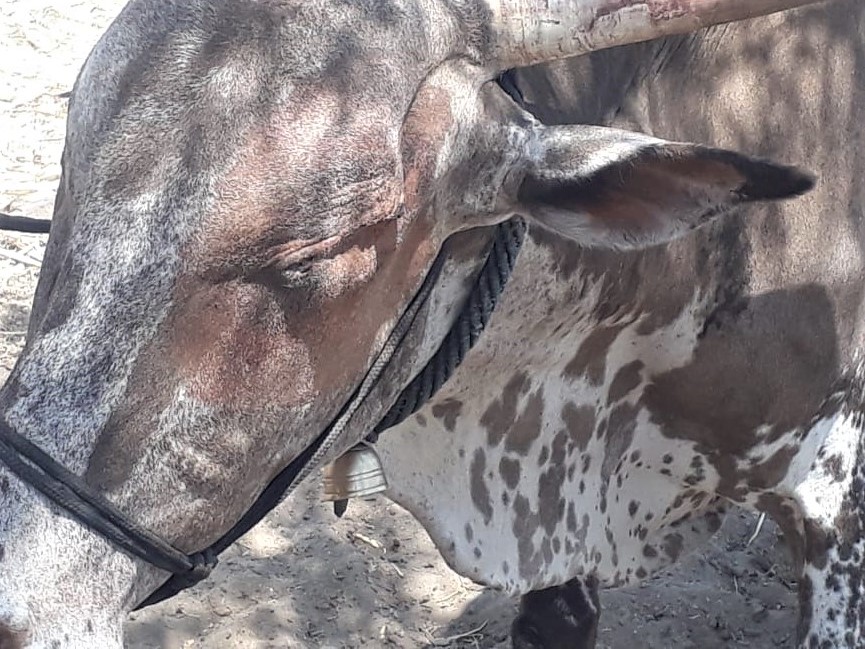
300,264
298,275
303,254
334,274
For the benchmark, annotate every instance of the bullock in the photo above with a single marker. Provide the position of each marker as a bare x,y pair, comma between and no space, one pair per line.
270,213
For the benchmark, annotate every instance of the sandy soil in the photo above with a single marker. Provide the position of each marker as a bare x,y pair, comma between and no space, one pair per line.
304,578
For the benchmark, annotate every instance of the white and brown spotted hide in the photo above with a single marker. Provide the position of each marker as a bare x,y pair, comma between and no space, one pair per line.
610,415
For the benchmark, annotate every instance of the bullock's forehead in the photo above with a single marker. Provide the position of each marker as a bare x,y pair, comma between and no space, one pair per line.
346,46
307,175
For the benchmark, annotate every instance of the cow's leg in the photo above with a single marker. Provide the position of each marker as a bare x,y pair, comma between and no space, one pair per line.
832,588
561,617
832,585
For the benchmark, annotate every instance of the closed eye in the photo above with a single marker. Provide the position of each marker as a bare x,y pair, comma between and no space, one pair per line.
300,255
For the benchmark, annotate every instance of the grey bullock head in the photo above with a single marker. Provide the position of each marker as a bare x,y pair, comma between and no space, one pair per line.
252,192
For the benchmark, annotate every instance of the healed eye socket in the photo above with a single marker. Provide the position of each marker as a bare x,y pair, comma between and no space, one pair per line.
303,254
299,274
333,274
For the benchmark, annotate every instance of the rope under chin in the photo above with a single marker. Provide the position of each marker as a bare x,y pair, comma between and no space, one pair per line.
466,330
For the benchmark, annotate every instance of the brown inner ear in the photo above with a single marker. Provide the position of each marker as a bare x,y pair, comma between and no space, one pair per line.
647,188
718,174
633,191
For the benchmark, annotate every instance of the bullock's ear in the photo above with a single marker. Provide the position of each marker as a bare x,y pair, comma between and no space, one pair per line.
614,189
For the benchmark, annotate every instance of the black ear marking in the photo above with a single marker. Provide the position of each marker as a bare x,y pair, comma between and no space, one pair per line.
768,181
614,189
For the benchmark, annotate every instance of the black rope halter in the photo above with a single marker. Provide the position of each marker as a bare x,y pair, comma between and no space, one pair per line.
69,491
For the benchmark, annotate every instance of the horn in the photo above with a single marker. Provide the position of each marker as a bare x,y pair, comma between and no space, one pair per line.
525,32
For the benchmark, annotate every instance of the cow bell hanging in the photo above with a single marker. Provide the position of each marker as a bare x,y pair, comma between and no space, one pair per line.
358,472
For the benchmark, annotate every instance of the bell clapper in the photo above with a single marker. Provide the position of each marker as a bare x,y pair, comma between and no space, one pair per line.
339,507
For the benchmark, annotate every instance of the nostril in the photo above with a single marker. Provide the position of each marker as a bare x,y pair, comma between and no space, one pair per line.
13,629
12,638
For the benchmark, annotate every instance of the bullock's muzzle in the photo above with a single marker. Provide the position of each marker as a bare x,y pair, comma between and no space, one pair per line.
69,491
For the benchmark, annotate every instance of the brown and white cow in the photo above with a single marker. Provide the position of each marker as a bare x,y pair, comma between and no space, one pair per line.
253,191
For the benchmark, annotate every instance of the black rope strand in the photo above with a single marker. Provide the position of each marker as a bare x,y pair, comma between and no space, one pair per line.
469,326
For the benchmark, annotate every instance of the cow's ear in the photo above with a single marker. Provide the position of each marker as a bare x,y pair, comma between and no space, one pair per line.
609,188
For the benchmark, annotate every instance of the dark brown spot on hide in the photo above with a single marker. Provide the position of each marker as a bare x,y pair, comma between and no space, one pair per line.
673,546
502,412
713,521
479,492
834,467
723,396
527,427
544,456
551,504
572,518
448,411
470,535
524,526
580,422
626,379
818,542
620,435
510,471
590,360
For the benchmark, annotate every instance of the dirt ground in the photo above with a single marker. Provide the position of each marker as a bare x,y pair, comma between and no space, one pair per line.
304,578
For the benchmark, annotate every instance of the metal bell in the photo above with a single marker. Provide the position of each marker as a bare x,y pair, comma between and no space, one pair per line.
358,472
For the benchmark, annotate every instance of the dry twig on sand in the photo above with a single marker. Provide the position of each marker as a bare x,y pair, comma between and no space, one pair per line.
473,634
18,257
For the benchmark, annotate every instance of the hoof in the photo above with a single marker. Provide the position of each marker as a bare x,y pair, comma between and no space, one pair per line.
562,617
